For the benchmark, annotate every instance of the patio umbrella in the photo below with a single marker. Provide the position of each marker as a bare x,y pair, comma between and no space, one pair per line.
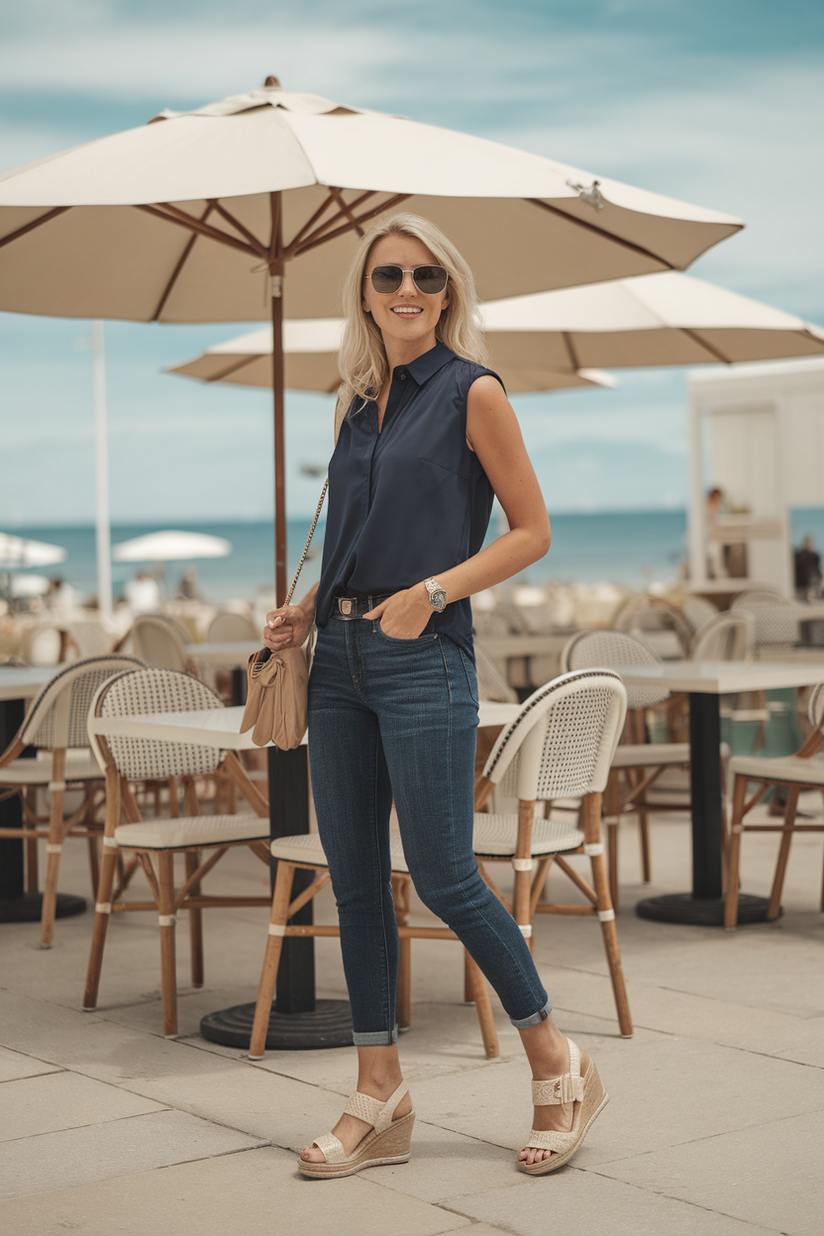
171,546
196,217
310,348
663,319
17,553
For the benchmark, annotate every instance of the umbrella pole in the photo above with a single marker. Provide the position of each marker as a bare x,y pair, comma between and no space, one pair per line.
280,479
101,470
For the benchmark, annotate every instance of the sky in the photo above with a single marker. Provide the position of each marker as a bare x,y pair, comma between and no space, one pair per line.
717,104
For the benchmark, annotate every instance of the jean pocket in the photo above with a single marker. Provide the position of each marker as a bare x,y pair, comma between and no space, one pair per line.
425,638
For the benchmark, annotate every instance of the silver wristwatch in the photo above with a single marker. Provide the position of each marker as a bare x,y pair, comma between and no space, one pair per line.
437,595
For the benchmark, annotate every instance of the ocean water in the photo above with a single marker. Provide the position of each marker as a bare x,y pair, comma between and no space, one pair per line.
633,548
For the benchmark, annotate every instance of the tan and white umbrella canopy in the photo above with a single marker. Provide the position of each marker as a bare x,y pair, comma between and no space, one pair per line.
167,222
171,546
17,553
197,216
310,348
665,319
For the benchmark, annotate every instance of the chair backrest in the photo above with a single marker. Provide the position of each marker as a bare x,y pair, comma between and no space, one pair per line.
153,690
698,610
491,683
776,617
41,645
815,707
726,637
94,637
227,627
57,716
590,649
645,613
562,743
160,641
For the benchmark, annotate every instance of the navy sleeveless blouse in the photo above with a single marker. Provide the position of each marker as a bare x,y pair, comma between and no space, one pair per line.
411,501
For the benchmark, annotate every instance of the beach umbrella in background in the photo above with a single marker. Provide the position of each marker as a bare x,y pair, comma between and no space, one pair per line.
171,546
17,553
197,217
310,350
663,319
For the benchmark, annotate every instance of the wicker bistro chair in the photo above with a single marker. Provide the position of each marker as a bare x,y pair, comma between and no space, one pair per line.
56,726
636,765
154,843
802,771
159,640
557,717
560,746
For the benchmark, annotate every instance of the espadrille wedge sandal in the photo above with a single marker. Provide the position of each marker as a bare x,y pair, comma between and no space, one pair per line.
587,1091
388,1140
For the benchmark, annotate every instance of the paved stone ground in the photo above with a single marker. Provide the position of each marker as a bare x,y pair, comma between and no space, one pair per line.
715,1124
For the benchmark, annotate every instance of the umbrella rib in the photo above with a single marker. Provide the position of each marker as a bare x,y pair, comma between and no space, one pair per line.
571,353
181,263
29,227
235,223
348,227
347,210
602,232
230,369
308,225
708,347
172,215
296,244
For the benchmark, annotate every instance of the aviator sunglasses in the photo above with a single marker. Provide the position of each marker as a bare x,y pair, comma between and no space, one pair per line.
427,279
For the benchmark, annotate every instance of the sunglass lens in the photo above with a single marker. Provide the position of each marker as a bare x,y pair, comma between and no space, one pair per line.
387,279
430,279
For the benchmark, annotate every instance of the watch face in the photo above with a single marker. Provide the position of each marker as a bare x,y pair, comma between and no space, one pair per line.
438,598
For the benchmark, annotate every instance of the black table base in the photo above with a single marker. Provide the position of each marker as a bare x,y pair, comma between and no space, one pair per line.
700,912
28,907
330,1025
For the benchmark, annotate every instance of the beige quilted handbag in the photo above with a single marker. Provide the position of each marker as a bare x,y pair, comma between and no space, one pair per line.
278,682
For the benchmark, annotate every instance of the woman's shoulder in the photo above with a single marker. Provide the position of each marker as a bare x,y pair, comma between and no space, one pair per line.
468,371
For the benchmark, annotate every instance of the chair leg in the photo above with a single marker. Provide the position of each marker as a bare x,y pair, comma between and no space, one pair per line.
469,991
30,796
774,907
643,836
612,808
522,863
103,903
166,918
483,1008
192,861
271,961
606,912
739,794
403,997
94,863
54,849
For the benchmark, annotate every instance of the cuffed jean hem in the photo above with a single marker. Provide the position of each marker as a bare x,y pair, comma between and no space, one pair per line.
375,1038
535,1019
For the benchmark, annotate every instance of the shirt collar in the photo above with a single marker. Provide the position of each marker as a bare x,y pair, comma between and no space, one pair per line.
423,367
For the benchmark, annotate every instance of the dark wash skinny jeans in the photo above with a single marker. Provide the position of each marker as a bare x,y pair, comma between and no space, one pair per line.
390,717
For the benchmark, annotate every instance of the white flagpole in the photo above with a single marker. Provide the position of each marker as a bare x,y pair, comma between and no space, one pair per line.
101,471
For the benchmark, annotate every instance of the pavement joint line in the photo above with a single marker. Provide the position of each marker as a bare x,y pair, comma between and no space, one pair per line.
685,1201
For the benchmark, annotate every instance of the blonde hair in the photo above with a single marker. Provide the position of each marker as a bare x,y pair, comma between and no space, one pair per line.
362,359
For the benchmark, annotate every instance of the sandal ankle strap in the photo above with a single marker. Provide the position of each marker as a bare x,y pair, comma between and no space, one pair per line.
568,1088
372,1110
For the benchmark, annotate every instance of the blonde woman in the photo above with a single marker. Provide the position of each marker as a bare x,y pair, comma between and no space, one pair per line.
426,439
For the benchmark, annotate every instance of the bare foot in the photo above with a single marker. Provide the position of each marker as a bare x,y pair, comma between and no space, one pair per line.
558,1117
350,1130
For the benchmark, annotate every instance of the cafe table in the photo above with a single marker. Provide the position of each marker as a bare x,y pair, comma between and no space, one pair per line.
299,1020
704,682
19,683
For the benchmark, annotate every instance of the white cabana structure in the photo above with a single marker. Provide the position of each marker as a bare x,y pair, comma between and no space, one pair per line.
757,434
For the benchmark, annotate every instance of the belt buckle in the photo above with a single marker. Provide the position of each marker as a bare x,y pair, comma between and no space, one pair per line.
345,606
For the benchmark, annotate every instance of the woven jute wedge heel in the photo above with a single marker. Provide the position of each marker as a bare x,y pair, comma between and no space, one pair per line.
388,1141
587,1091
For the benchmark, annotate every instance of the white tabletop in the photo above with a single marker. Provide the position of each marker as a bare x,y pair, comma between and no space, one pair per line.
220,727
722,677
23,682
229,652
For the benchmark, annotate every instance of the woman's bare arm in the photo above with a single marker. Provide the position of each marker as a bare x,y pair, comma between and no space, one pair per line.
494,434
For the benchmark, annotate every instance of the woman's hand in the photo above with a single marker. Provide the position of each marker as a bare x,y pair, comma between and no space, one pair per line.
405,614
286,627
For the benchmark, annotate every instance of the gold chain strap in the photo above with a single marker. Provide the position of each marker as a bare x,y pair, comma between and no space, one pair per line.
308,542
